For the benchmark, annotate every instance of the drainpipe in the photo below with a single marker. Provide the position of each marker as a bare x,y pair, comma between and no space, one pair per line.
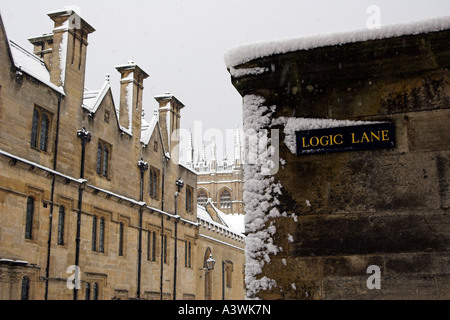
162,227
180,185
162,258
143,166
85,137
49,242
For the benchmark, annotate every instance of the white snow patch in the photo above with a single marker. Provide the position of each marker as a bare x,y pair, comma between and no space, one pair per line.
248,71
290,238
63,56
244,53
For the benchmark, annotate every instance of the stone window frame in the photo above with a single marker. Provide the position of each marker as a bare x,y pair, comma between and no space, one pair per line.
103,165
189,199
225,203
37,139
199,193
154,183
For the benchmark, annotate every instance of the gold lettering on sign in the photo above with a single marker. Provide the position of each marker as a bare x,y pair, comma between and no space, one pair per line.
378,135
323,140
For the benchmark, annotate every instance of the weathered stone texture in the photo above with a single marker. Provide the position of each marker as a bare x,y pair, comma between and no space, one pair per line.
355,209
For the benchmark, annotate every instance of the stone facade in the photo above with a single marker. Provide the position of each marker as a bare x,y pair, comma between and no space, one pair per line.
220,181
340,216
93,201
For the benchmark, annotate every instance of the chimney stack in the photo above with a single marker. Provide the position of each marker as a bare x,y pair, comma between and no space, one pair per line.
169,121
131,89
68,49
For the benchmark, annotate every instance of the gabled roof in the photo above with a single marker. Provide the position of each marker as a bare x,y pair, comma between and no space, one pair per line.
93,98
232,222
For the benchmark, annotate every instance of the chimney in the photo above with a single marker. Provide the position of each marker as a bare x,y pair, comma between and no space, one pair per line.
169,121
67,46
131,89
43,47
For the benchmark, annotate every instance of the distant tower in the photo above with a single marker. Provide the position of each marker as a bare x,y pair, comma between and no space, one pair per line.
237,148
190,152
213,162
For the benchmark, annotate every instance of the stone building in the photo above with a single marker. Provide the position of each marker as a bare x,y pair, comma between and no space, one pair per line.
220,181
357,219
93,201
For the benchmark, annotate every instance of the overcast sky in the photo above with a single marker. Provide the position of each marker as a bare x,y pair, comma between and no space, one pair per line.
181,43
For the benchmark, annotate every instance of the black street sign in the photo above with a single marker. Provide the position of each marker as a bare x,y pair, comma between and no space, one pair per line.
352,138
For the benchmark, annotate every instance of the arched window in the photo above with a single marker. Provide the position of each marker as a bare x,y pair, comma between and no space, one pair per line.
105,160
101,236
29,218
150,187
225,199
87,295
202,197
35,129
61,220
189,202
44,132
99,158
155,183
153,246
94,233
40,129
25,288
153,191
120,239
95,291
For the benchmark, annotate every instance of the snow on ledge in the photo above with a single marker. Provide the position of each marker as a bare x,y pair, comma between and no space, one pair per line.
247,52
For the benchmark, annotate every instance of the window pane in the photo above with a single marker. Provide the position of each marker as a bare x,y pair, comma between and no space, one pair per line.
95,291
94,233
154,247
29,218
101,240
25,288
34,129
121,239
44,132
225,200
105,161
151,183
88,291
99,158
61,218
202,198
155,183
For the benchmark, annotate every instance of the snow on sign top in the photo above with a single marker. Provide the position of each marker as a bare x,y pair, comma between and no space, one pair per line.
247,52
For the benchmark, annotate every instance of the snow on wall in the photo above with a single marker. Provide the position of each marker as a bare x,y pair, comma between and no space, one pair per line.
261,191
260,197
129,102
63,56
244,53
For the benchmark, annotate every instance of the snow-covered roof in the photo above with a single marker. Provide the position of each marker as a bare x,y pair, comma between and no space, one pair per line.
231,222
93,98
147,129
31,64
247,52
